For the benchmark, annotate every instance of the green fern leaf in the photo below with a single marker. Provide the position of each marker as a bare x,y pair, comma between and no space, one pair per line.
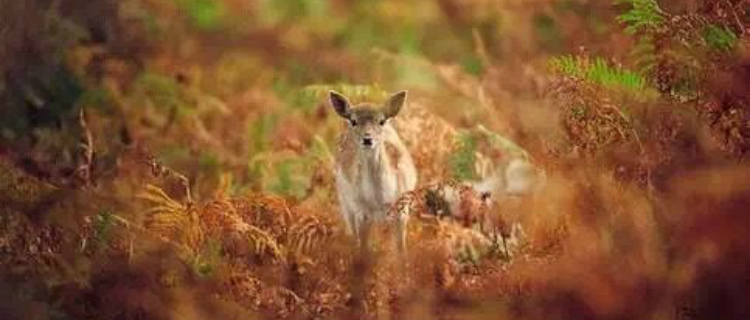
720,38
598,71
643,15
462,161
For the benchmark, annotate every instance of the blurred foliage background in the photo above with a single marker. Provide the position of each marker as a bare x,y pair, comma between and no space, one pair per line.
203,107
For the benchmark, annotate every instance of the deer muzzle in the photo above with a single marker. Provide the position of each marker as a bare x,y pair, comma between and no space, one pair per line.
368,142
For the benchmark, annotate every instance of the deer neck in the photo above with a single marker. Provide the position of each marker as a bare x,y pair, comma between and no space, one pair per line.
374,164
371,170
376,174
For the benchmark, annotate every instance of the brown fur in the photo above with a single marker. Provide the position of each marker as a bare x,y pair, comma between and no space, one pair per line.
451,200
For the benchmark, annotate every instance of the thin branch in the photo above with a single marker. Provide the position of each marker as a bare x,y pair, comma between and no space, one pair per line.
131,226
84,171
480,48
736,17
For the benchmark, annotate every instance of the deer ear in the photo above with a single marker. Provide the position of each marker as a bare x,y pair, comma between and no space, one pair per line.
340,104
394,104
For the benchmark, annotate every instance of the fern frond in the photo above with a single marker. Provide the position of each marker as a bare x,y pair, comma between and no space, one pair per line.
156,195
308,234
242,285
720,38
167,219
462,161
644,54
173,219
262,242
568,65
601,72
223,215
598,71
643,15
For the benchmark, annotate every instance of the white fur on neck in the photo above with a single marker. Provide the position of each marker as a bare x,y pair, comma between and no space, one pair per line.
377,185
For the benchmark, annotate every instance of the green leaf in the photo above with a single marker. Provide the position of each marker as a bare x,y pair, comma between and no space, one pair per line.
204,14
643,15
720,38
598,71
463,160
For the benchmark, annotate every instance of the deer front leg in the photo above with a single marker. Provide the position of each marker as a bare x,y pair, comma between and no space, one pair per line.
359,226
347,214
401,233
348,208
354,223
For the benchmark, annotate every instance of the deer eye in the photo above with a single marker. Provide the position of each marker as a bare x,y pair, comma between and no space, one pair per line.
353,122
486,195
382,122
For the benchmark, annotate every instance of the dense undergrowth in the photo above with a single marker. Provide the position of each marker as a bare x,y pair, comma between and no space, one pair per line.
172,159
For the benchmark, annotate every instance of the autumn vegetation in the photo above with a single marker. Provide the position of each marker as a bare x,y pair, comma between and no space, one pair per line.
173,159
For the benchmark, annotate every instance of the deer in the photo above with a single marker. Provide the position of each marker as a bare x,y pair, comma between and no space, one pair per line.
512,174
501,181
372,165
445,200
466,205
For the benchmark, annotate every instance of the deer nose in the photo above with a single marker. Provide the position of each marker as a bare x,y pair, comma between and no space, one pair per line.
367,142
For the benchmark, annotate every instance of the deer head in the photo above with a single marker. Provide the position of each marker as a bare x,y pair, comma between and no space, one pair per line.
366,121
473,206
